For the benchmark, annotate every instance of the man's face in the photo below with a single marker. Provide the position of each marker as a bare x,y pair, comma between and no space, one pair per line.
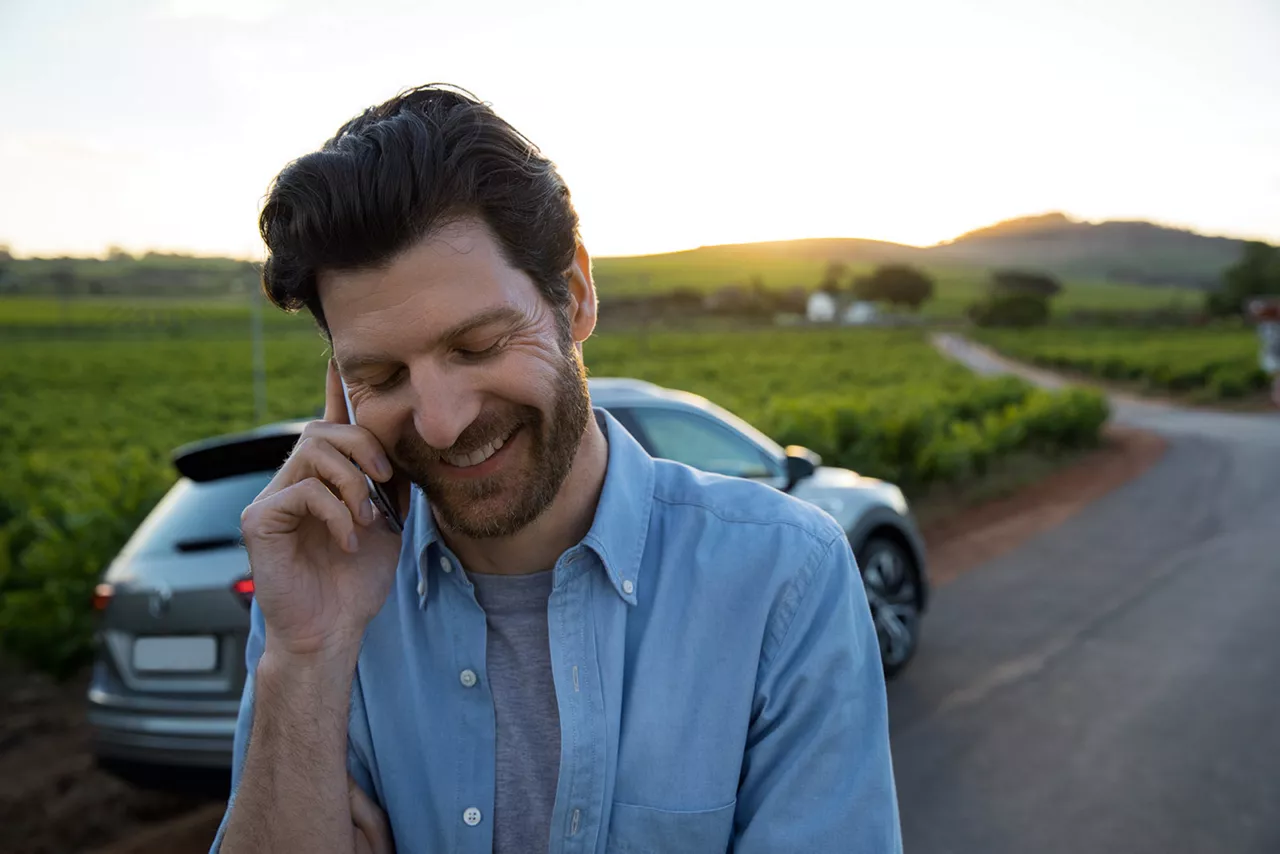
468,377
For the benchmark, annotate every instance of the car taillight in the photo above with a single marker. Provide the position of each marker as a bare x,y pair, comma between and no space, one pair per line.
102,596
244,589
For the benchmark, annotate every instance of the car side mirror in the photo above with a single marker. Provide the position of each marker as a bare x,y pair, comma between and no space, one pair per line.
801,463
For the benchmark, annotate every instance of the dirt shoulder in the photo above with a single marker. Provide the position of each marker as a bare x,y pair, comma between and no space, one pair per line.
53,799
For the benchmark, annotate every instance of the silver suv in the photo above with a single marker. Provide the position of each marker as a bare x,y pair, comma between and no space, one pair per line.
170,661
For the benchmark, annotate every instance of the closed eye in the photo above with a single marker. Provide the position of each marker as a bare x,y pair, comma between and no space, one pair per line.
389,383
488,352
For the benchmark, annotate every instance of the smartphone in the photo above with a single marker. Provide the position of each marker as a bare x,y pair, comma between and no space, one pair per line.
377,492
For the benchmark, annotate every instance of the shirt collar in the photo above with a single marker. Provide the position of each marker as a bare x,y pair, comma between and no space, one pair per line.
618,531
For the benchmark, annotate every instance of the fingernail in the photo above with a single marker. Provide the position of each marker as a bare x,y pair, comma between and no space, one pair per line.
384,468
366,512
353,543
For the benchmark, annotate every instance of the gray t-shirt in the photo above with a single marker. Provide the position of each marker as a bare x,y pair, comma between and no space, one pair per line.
518,661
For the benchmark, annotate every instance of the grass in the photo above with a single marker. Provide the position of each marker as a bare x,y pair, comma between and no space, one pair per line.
957,287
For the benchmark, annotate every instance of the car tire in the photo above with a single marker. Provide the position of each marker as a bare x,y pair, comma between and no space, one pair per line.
892,582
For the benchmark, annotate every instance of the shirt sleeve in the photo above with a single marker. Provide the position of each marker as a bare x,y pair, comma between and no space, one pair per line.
817,775
244,725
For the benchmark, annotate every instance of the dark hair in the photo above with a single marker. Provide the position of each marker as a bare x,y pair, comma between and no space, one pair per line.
401,170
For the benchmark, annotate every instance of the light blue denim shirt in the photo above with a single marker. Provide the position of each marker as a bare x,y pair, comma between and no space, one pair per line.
715,666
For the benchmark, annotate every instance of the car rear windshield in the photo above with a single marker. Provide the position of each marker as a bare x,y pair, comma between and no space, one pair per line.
199,516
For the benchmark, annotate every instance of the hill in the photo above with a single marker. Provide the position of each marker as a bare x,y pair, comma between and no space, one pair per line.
1130,252
1139,252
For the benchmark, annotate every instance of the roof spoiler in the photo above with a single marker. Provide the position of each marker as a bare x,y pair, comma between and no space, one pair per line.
263,449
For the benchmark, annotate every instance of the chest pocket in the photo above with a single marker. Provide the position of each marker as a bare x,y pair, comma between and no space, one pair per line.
644,830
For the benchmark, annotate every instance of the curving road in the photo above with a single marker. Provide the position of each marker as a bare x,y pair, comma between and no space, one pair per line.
1114,684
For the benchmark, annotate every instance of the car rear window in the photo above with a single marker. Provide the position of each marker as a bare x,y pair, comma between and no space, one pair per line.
198,516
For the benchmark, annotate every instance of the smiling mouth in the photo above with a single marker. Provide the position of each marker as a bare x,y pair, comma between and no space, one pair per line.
479,455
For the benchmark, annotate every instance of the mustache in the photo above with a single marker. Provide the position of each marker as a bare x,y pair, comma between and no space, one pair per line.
479,433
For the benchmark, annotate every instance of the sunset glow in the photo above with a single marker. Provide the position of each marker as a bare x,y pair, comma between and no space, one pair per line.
159,124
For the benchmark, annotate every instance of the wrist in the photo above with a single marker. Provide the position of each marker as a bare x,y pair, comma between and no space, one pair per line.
320,674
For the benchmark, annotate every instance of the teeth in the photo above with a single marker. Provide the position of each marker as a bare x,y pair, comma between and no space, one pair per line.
479,455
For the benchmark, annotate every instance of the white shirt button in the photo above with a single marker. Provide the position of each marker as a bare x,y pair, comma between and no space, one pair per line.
627,587
471,815
445,565
422,586
467,678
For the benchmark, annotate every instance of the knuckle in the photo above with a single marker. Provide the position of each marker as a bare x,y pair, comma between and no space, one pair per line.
304,447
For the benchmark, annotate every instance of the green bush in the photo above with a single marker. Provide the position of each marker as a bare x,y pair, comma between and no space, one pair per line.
1212,363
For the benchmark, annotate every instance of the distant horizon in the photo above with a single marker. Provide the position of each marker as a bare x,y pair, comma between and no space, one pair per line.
139,252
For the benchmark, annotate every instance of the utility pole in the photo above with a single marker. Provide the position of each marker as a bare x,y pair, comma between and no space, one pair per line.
259,359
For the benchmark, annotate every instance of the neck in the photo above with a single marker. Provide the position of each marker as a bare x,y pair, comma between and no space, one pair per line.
561,526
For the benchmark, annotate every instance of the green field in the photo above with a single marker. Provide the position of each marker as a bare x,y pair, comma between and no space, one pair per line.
115,317
86,427
957,287
26,316
1207,364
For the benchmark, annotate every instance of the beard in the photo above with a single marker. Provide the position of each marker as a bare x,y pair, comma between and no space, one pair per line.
506,502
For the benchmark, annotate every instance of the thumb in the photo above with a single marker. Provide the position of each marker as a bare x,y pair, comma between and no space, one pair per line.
336,404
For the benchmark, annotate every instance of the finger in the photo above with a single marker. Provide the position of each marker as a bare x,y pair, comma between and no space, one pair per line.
354,442
284,511
318,458
370,821
335,403
356,448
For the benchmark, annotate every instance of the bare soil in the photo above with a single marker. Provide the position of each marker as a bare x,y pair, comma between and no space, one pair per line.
53,799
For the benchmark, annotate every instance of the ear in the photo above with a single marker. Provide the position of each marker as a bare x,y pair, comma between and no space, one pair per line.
582,297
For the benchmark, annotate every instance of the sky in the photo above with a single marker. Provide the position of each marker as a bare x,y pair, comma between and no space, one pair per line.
158,124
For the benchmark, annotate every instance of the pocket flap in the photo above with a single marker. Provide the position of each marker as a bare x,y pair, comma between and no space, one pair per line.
645,830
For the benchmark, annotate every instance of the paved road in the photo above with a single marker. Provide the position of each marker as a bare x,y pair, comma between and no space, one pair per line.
1113,685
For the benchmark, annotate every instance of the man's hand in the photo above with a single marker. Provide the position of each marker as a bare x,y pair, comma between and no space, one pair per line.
368,823
322,559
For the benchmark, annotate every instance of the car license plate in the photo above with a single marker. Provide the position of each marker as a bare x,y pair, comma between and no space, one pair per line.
191,654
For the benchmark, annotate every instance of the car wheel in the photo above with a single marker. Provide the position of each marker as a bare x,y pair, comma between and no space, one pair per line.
893,587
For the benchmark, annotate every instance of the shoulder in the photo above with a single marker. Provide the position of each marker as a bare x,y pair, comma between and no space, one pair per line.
751,515
746,547
738,503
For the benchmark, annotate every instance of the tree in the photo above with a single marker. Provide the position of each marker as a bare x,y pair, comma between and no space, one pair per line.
836,270
1025,282
1256,274
1017,298
1018,310
898,284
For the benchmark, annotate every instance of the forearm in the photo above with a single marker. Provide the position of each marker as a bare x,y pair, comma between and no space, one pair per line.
293,791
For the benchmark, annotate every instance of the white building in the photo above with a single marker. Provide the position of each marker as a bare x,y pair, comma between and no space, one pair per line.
821,307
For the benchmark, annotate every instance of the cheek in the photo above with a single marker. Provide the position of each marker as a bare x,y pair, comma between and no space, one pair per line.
528,377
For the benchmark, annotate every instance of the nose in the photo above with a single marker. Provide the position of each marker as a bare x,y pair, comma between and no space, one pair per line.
445,404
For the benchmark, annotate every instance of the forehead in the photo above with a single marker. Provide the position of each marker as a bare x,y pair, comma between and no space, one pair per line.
440,281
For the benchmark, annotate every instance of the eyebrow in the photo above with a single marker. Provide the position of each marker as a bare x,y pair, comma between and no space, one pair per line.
496,314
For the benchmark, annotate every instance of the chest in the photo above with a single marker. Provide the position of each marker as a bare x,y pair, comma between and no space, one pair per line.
652,713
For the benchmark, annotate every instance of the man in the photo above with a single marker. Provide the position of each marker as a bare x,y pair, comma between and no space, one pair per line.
572,647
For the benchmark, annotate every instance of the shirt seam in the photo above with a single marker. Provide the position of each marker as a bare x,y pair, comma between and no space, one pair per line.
816,536
805,579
